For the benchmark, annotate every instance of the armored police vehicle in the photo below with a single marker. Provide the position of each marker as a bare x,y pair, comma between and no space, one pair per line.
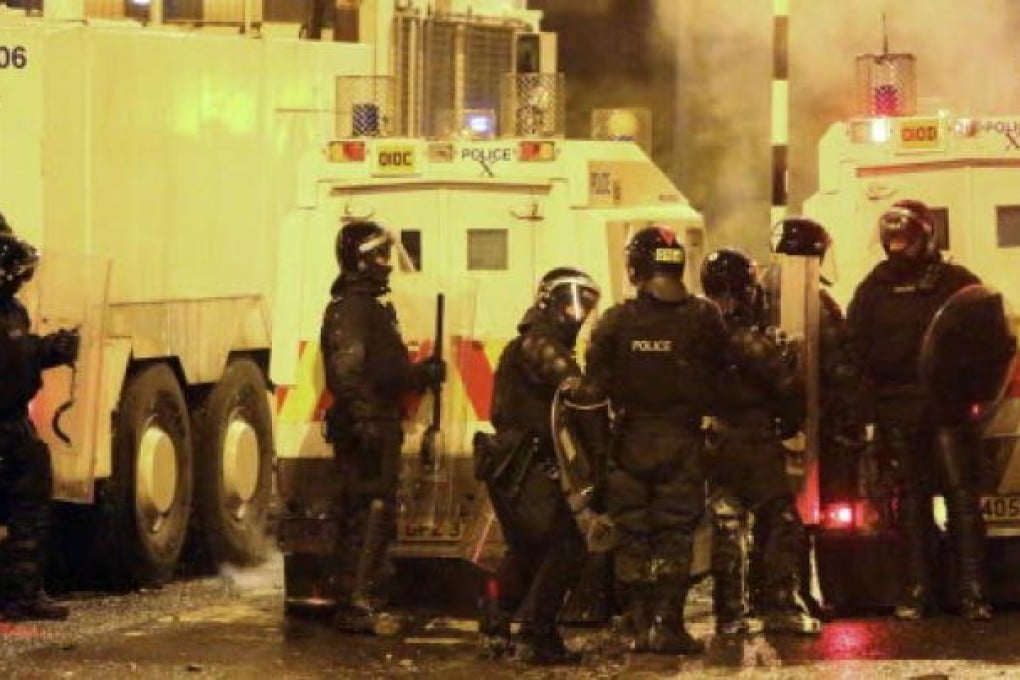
967,170
184,168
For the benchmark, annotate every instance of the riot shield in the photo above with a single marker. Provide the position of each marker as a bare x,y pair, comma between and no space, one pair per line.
579,473
793,309
793,299
967,354
435,484
70,291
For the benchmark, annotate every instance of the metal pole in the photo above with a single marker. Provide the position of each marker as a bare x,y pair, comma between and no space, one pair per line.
780,107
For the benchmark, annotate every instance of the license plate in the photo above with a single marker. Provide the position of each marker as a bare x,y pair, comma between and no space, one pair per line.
1000,508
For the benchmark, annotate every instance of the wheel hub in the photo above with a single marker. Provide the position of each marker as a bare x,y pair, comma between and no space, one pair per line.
156,481
240,463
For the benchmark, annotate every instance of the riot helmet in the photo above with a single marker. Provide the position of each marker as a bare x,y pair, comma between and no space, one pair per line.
655,262
907,232
568,296
800,236
363,249
730,278
17,262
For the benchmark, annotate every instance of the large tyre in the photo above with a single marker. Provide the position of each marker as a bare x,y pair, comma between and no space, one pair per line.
233,466
147,502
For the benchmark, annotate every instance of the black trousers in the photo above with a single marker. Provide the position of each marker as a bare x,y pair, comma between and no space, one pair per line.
925,459
26,482
545,550
749,476
365,508
655,494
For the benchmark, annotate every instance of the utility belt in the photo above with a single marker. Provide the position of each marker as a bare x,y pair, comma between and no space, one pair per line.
503,459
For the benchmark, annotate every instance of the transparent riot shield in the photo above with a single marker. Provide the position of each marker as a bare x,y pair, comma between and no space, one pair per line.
70,291
438,489
793,299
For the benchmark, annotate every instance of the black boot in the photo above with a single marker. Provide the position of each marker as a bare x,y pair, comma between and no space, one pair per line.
973,602
358,619
956,448
788,613
541,644
968,530
38,608
668,634
729,583
783,609
639,613
494,633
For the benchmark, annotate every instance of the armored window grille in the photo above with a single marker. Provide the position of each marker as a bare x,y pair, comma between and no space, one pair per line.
445,68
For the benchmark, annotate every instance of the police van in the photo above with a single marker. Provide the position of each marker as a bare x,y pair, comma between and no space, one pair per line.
967,169
184,169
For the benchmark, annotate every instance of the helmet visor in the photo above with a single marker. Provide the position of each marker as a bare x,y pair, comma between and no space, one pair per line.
575,298
902,233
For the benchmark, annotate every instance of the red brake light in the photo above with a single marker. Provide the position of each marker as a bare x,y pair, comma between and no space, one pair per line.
344,151
838,516
354,151
536,151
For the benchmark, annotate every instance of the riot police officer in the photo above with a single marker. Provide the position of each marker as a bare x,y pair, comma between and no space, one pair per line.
545,549
367,372
657,358
748,462
25,475
887,317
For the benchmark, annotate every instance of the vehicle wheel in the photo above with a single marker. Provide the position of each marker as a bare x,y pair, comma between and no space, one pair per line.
233,466
147,501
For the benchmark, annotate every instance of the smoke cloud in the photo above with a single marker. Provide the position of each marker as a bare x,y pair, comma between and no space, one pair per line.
968,61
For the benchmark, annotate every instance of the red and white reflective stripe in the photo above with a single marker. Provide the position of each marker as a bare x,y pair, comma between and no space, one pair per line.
472,369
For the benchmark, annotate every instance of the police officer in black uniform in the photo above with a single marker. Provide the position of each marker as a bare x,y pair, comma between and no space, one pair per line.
658,358
887,317
764,405
25,475
367,372
545,549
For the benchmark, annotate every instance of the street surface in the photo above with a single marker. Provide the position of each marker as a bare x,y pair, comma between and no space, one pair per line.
233,626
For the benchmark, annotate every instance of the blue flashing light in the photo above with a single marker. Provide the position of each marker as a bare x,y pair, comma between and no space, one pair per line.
481,125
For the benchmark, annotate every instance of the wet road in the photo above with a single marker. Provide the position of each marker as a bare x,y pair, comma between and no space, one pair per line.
233,627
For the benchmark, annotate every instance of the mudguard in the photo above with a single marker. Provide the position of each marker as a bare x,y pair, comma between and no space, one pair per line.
967,355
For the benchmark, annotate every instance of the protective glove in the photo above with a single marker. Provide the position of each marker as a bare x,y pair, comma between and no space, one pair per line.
429,373
62,347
